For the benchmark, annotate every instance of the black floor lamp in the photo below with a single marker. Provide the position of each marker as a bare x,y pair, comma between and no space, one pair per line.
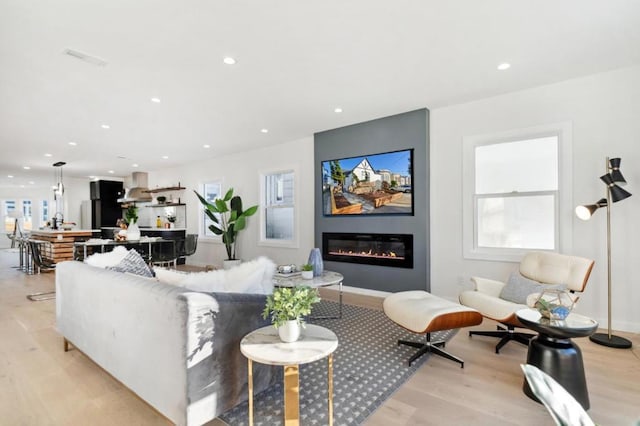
614,194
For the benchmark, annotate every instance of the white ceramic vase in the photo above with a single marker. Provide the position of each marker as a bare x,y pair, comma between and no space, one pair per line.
289,331
228,264
133,232
307,275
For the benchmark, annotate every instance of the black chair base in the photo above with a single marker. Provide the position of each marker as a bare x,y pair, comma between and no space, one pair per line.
430,347
39,297
41,265
506,335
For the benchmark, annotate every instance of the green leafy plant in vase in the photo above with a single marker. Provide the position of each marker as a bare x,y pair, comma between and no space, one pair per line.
307,271
228,218
131,216
287,307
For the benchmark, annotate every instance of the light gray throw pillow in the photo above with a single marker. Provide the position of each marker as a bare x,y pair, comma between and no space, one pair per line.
518,288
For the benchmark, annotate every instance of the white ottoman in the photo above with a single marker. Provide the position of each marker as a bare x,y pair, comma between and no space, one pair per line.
421,312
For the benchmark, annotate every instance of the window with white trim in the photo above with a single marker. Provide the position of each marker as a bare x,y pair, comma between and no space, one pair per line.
9,222
26,211
513,193
44,212
210,191
278,220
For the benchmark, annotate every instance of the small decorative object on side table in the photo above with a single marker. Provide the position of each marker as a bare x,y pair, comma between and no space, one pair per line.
554,304
286,269
264,346
315,260
307,271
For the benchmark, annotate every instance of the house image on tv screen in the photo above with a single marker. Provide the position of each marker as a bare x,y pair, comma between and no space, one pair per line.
372,184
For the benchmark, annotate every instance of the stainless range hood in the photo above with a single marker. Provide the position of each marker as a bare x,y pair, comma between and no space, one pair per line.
138,189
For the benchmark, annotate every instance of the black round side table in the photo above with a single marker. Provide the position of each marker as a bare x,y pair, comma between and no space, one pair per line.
553,352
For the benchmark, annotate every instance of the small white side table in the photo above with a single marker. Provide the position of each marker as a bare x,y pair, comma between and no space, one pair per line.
264,346
326,279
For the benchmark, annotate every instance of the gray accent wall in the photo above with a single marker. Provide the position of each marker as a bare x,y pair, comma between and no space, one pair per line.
403,131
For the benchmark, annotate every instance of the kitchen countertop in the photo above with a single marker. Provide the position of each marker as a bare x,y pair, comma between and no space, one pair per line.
143,229
71,232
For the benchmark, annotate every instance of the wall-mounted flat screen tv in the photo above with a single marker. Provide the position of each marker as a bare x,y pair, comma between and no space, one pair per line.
376,184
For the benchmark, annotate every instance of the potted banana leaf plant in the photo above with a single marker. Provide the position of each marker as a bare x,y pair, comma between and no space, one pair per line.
228,219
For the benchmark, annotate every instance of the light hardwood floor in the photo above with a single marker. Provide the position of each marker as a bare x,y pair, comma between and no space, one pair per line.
40,384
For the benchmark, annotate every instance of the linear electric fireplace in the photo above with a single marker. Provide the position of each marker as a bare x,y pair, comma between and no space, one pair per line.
394,250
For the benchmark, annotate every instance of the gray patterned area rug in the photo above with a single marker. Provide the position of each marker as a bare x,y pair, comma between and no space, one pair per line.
368,368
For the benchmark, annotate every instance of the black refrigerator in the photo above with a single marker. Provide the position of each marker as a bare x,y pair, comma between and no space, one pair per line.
105,209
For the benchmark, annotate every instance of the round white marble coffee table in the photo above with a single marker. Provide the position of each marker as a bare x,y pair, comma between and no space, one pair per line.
326,279
264,346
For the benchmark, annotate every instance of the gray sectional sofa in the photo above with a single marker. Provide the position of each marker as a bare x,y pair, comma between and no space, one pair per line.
179,350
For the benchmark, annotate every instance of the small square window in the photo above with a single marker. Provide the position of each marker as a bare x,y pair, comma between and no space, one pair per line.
278,219
210,191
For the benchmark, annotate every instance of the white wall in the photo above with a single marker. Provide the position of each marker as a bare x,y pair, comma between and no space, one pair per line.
241,172
75,191
604,110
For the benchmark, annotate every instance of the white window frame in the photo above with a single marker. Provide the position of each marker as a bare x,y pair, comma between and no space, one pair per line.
27,211
564,201
204,234
44,218
5,213
270,242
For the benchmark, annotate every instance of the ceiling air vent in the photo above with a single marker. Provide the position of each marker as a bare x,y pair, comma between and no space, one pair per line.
94,60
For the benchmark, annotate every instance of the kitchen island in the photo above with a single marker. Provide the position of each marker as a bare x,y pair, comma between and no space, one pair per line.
176,234
60,242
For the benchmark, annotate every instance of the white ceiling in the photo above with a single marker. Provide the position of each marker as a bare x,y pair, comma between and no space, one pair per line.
296,62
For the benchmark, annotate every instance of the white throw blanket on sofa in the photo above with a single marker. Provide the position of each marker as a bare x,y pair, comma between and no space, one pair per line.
255,276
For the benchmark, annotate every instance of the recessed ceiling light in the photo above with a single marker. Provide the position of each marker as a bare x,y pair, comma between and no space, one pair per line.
134,165
10,176
48,155
337,110
31,182
105,126
504,66
92,177
26,167
156,100
264,130
229,60
73,143
111,171
206,146
165,157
